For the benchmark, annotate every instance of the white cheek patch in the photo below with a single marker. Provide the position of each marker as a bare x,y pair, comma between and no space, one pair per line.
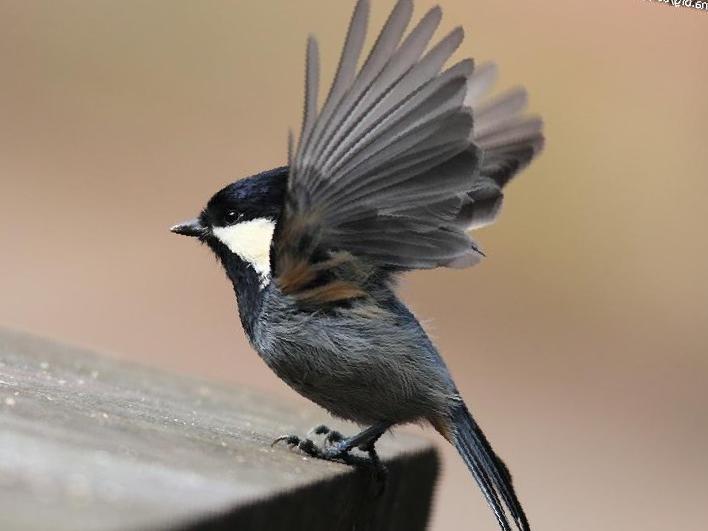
251,241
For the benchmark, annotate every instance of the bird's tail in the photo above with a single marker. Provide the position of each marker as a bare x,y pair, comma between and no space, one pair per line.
488,470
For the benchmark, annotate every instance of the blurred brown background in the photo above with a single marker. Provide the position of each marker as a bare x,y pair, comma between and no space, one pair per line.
580,342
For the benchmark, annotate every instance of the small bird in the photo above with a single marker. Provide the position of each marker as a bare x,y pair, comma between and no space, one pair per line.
389,174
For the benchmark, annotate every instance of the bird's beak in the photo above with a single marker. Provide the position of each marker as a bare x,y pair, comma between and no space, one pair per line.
193,228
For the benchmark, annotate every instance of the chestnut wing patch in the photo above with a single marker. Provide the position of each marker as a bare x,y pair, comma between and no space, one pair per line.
306,270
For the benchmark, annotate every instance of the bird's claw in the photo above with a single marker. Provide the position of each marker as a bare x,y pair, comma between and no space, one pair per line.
306,445
290,440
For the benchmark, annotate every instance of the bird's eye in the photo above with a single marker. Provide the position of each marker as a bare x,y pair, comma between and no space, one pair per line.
231,217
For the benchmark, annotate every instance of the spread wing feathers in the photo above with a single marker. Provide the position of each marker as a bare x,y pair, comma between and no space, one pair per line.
390,173
508,141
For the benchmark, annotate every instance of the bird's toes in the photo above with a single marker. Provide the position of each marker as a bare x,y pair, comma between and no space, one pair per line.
333,437
336,451
309,447
306,445
320,430
290,440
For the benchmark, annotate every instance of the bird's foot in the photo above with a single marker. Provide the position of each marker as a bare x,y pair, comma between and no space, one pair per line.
332,447
336,447
325,450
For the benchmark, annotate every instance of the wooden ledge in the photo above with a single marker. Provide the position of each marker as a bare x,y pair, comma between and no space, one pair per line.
88,442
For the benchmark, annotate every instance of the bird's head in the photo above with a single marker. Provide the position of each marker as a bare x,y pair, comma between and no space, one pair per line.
238,221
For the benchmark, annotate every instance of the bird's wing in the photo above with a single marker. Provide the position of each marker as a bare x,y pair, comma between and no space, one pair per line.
397,164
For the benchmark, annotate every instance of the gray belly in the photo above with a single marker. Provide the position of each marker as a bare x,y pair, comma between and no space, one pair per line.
364,368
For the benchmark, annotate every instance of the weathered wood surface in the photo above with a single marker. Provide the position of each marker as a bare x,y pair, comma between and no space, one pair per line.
91,443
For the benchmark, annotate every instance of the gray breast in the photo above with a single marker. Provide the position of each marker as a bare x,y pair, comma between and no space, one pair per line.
359,365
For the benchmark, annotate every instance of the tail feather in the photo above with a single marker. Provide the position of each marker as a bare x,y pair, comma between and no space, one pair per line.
488,469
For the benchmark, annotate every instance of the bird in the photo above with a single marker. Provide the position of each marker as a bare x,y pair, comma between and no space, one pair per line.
401,160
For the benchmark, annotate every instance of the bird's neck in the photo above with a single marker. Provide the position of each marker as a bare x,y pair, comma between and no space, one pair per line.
248,286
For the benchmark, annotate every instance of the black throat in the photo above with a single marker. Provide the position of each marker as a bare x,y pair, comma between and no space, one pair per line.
247,286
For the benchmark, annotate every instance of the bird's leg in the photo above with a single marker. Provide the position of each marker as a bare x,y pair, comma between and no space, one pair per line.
365,441
379,470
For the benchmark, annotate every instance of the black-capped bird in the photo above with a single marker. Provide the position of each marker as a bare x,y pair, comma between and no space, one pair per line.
390,174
